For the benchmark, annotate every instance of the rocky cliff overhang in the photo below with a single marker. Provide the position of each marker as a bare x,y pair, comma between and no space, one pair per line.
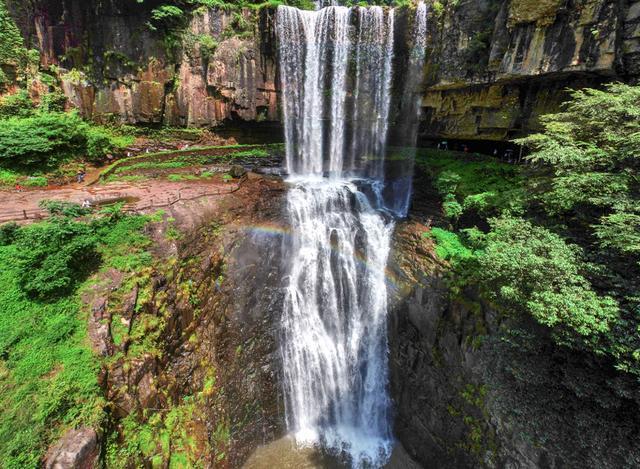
493,66
496,66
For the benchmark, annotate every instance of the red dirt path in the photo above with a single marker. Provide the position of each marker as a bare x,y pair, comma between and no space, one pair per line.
137,196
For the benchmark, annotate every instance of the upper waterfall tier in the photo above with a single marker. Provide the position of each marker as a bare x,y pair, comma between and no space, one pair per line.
336,66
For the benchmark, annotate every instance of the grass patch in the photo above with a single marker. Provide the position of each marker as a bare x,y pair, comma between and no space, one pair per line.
448,245
126,178
474,182
48,374
153,165
35,181
181,177
257,153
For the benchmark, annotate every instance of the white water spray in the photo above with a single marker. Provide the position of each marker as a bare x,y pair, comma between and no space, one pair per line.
336,72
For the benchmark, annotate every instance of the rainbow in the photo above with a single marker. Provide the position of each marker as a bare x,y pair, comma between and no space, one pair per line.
393,282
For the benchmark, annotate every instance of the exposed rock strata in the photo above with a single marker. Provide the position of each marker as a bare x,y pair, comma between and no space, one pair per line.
121,69
495,66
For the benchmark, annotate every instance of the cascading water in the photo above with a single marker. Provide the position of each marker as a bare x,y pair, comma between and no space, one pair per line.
336,67
400,187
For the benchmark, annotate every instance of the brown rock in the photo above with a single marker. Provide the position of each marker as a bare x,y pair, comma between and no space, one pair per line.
78,449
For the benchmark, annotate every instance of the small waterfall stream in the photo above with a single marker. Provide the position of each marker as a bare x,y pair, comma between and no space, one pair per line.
336,72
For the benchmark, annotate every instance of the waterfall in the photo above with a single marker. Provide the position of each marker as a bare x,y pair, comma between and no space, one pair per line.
315,48
408,117
334,321
336,74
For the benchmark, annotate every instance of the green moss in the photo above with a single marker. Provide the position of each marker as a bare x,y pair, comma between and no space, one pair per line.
448,245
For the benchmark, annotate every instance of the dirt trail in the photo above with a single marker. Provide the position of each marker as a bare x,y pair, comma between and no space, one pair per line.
23,206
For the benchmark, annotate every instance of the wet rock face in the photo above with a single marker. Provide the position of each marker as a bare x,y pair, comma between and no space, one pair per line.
246,340
445,417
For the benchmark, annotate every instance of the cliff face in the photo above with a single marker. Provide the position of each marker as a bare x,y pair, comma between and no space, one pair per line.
475,389
495,66
126,68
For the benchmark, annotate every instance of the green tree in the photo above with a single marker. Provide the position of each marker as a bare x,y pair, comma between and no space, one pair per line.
53,256
590,161
529,269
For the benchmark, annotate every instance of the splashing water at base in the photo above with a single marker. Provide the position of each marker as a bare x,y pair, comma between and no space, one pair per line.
334,322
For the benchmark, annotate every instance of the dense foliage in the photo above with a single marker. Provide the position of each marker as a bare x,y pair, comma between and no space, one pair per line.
559,240
13,53
530,269
53,256
48,374
33,136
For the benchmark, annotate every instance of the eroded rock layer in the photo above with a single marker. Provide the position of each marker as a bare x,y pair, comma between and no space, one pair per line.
118,64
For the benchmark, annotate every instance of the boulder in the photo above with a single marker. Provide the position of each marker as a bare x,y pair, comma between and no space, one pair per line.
77,449
237,171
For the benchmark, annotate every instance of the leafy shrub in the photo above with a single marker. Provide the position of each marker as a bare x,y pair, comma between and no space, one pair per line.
43,139
474,183
54,256
36,181
208,45
16,105
47,139
447,182
55,101
66,209
99,143
591,151
8,233
166,17
620,230
255,153
452,209
529,269
8,178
